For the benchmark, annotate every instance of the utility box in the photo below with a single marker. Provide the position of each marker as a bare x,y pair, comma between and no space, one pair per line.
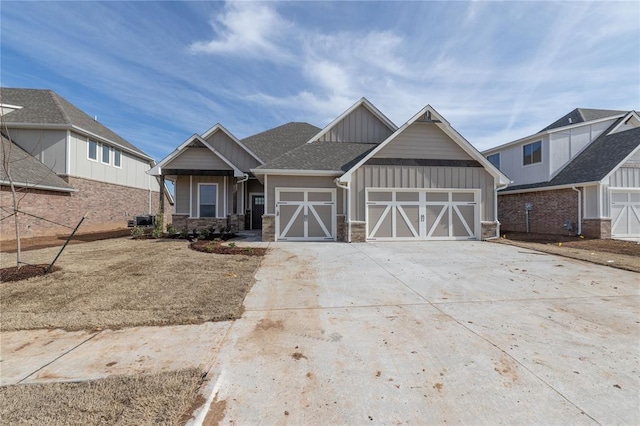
528,206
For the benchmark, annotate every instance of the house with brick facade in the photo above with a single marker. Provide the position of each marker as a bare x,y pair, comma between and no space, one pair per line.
66,164
360,178
579,175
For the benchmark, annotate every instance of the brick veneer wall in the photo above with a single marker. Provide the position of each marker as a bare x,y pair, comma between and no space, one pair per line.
597,228
551,209
109,206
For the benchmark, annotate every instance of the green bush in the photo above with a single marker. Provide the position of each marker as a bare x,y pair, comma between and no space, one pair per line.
137,232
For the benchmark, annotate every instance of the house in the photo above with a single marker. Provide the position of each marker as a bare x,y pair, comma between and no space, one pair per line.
361,178
579,175
66,164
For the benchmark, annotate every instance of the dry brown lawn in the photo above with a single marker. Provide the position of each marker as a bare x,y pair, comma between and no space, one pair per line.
164,398
123,283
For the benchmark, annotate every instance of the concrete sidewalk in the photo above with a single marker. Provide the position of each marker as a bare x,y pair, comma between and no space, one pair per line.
41,356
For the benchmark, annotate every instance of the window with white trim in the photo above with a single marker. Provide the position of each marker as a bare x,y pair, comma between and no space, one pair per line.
207,193
532,153
494,159
92,150
117,158
106,157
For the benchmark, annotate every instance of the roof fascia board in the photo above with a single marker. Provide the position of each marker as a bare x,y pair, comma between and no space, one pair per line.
220,127
295,172
36,186
547,188
548,132
613,170
449,131
363,101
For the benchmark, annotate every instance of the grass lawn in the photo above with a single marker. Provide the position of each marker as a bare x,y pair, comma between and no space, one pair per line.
164,398
123,283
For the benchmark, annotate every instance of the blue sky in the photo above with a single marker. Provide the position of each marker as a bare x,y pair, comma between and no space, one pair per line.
157,72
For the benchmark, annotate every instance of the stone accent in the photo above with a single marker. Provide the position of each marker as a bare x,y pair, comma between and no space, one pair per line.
358,232
489,230
268,227
109,206
182,222
551,209
342,228
235,222
597,228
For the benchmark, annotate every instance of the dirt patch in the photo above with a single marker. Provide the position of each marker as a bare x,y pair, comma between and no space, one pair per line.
616,253
124,283
267,324
298,356
141,400
218,248
35,243
13,273
216,413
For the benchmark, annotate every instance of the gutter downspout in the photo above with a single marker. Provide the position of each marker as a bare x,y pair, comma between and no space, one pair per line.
348,215
495,211
579,209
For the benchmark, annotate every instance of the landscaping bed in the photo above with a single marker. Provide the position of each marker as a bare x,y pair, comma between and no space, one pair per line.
13,273
218,248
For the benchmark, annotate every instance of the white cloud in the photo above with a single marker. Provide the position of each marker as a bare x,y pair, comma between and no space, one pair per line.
246,29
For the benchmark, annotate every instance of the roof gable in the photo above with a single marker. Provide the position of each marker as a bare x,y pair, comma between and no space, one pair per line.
429,115
47,108
581,115
210,136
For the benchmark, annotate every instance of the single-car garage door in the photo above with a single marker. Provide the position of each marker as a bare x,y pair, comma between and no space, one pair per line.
625,213
419,214
305,214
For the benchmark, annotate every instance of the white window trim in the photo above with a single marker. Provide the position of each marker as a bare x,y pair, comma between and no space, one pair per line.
102,147
89,150
114,158
541,154
198,203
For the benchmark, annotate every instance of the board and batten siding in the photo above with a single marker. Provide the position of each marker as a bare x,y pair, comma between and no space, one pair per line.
422,177
625,177
306,182
634,161
186,195
196,158
423,140
590,199
48,146
133,171
358,126
233,152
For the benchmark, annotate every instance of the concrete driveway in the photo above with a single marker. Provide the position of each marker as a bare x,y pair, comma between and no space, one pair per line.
446,332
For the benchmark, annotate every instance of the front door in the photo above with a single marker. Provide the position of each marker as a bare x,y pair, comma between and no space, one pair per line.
257,210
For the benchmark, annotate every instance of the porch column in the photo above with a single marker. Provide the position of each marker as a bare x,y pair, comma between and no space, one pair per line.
162,195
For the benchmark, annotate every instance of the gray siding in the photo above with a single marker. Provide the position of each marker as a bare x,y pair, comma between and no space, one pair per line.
422,177
591,201
274,181
634,161
48,146
182,195
358,126
197,159
423,140
233,152
625,177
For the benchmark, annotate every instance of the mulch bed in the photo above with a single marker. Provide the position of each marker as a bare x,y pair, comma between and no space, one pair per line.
14,273
629,248
35,243
217,248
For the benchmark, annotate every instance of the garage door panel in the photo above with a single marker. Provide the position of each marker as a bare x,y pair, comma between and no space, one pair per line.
319,221
380,221
408,221
291,196
437,221
305,214
291,221
625,213
463,220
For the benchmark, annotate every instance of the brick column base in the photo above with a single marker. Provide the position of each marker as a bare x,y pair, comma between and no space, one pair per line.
488,230
358,232
597,228
268,227
342,228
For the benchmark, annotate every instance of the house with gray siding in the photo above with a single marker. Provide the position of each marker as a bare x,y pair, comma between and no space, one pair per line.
67,164
361,178
579,175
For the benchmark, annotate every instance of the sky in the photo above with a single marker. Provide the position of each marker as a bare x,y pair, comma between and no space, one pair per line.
156,72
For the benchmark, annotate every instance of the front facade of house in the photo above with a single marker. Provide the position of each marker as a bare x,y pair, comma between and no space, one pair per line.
359,179
77,167
579,175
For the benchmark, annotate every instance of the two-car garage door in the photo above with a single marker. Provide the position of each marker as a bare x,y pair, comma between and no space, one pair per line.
423,214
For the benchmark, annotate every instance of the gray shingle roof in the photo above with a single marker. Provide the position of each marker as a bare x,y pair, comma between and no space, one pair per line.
273,143
45,107
27,170
580,115
596,161
336,156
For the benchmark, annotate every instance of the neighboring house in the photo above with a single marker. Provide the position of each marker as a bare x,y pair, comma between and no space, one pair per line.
360,178
65,164
579,175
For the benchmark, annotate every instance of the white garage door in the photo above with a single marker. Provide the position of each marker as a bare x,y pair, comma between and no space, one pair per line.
625,213
305,214
433,214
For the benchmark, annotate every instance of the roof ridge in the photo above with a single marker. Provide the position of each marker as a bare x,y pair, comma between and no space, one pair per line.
54,98
584,119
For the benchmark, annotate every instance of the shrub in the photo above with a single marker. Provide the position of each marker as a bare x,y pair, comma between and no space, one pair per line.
137,232
171,229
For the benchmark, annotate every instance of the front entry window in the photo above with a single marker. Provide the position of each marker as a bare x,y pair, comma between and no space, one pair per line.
207,200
